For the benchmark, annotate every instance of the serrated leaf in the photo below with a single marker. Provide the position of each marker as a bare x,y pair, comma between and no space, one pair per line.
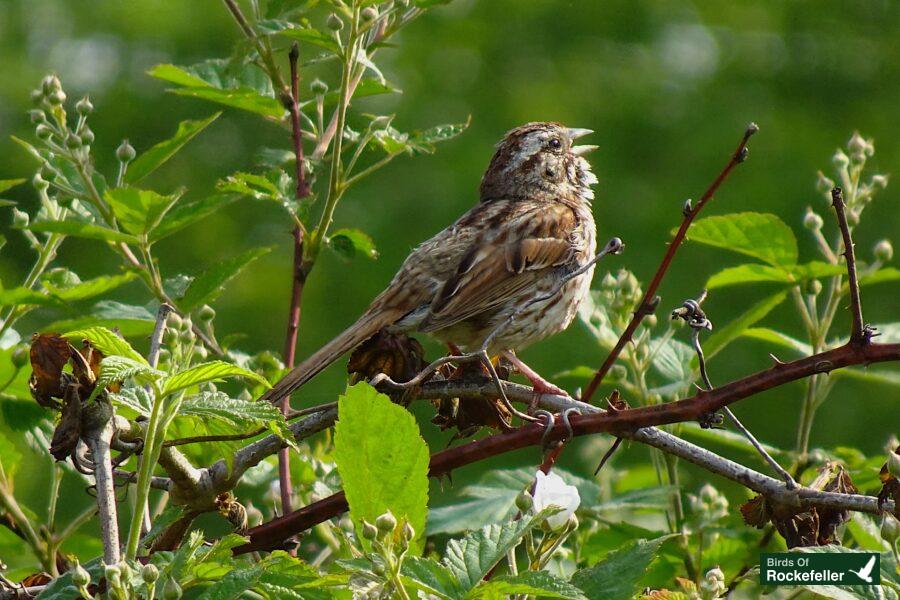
727,334
82,230
242,98
90,288
431,577
121,368
308,35
776,337
347,242
128,320
134,398
139,211
207,286
184,214
618,576
672,359
106,342
749,273
214,370
6,184
760,235
423,141
882,275
157,155
382,459
472,557
540,584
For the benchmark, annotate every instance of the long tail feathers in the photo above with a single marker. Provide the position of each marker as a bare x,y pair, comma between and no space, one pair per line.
363,329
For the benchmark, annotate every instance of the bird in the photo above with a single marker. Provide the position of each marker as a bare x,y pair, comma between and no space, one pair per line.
484,278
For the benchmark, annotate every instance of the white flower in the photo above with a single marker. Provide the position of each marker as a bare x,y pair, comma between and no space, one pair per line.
551,490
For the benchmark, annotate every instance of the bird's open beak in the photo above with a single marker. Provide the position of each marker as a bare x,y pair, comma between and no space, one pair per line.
574,134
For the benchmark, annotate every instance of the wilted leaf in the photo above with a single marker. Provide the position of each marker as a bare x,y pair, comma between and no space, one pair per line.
156,156
207,286
760,235
49,354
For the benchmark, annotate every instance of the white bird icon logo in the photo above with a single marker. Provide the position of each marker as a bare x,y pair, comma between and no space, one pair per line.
866,572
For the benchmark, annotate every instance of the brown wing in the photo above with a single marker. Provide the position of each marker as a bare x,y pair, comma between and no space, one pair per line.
505,262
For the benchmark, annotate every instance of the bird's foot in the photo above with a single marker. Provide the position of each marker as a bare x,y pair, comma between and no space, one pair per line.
539,385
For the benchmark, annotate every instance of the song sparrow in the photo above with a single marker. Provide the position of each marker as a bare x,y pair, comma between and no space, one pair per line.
532,227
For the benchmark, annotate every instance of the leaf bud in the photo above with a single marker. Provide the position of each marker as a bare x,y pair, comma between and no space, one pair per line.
171,591
524,502
43,131
883,251
207,313
369,13
87,136
84,106
857,143
57,97
20,218
318,87
408,531
369,531
334,22
812,221
125,152
840,159
386,523
39,183
378,569
170,337
149,574
890,528
80,577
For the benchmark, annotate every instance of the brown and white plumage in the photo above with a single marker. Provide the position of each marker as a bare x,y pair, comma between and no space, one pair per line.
532,227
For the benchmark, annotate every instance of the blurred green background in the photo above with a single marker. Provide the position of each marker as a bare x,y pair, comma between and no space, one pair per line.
667,86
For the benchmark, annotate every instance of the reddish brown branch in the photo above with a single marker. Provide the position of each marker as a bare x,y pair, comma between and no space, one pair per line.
857,327
273,534
648,303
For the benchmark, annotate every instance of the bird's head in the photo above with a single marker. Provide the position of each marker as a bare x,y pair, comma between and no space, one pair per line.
539,159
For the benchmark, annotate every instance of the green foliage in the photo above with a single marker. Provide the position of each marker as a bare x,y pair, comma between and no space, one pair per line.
207,286
206,372
382,459
157,155
618,576
107,342
761,236
139,211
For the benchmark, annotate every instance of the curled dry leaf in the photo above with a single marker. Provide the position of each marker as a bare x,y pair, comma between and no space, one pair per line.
68,430
233,511
49,354
397,355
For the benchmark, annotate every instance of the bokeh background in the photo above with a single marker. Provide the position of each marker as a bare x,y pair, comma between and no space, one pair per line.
667,86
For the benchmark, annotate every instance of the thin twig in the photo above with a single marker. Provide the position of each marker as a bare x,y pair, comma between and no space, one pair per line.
647,303
858,329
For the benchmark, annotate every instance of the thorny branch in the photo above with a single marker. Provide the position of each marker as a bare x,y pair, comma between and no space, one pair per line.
860,333
649,301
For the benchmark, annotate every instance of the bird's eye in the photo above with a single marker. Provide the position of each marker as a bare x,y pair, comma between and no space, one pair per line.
549,172
555,143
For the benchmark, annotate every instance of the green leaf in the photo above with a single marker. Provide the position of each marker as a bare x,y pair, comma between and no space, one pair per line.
867,533
156,156
106,342
62,588
382,459
618,576
90,288
121,368
22,296
139,211
749,273
19,414
82,230
184,214
882,275
760,235
816,269
424,141
233,585
537,583
724,336
209,371
134,398
239,415
207,286
472,557
128,320
10,457
6,184
249,184
430,576
306,35
242,98
776,337
871,376
347,242
672,359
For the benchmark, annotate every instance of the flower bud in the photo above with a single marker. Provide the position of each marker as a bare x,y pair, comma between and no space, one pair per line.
50,84
650,321
378,569
39,183
814,287
883,251
524,502
334,22
37,96
386,523
36,115
207,313
149,574
880,181
84,106
713,584
856,143
171,591
57,97
840,159
823,184
890,528
408,531
369,13
20,219
893,464
87,136
618,373
43,131
170,337
318,87
80,577
125,152
73,142
20,356
201,352
112,573
174,321
812,221
369,531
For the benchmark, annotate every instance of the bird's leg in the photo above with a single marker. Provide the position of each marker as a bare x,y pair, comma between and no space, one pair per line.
539,384
486,361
